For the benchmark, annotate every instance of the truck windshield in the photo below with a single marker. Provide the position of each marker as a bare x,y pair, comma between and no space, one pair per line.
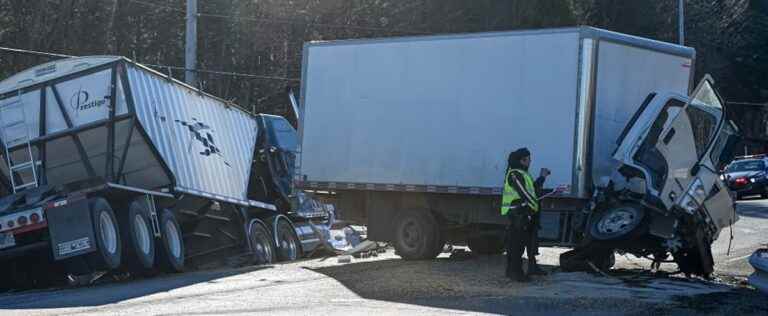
705,113
285,135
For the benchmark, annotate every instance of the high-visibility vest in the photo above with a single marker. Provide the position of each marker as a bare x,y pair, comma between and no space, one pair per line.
511,195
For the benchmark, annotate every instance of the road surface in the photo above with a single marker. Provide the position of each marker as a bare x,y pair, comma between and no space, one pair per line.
449,285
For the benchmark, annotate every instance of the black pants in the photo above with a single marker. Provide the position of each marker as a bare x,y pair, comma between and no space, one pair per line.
521,235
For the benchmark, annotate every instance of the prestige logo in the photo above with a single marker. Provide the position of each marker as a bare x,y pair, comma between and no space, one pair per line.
81,101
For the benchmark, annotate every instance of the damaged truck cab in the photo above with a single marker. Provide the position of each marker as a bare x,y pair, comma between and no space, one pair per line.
667,198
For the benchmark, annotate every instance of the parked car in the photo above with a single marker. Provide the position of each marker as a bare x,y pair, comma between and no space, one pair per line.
748,176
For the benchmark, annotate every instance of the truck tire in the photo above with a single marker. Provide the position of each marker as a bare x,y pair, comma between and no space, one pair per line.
139,248
170,253
416,235
261,243
288,244
108,253
618,223
486,245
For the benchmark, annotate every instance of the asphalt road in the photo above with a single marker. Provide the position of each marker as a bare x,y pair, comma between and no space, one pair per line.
448,285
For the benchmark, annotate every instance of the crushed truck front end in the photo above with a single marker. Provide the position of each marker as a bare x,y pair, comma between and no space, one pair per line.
667,198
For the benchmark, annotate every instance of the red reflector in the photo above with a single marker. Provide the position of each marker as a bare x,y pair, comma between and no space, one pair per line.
22,220
34,218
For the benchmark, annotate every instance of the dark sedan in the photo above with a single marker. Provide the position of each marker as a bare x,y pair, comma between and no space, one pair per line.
747,177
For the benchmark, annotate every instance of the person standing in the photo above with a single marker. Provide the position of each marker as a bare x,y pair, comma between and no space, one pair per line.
521,206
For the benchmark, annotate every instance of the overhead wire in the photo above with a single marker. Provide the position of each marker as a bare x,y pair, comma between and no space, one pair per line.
217,72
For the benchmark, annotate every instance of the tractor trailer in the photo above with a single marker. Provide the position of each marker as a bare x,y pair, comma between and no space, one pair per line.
107,164
411,135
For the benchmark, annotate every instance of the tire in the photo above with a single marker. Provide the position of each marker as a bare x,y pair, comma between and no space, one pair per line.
139,250
619,223
170,253
109,246
289,246
416,236
486,245
261,244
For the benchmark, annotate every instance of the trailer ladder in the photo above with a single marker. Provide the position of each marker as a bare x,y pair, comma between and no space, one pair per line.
16,132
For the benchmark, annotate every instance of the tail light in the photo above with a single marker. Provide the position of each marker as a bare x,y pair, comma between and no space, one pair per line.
22,220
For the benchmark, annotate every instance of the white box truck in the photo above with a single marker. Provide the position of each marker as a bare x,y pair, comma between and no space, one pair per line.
411,135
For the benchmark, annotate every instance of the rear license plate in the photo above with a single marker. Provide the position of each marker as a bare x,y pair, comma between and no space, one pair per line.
7,240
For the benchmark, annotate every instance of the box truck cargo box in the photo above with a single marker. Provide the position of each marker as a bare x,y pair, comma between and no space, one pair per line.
441,113
412,135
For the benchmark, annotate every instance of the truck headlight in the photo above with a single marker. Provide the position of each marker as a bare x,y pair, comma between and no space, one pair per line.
693,197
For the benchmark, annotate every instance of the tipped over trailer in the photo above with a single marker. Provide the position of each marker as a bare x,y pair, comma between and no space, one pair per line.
108,164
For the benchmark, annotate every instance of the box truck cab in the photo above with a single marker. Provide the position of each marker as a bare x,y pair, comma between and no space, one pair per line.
667,196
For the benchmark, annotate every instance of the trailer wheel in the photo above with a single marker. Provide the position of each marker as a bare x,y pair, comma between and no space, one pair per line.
289,247
486,245
140,247
107,234
416,235
261,243
617,223
171,251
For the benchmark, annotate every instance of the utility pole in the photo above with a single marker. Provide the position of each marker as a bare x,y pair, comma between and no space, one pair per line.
190,50
681,21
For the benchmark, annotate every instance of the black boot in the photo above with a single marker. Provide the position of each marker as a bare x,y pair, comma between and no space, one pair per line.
534,269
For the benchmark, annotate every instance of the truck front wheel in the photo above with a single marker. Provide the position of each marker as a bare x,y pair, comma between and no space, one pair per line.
620,222
416,235
289,246
261,243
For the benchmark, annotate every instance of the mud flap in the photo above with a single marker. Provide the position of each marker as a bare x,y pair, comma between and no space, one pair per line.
71,230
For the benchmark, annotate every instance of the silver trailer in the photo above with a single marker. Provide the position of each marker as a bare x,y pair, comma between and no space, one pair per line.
416,130
152,171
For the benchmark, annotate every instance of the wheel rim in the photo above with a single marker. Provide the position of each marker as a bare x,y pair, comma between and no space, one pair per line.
411,234
108,232
261,249
289,246
142,233
617,222
172,236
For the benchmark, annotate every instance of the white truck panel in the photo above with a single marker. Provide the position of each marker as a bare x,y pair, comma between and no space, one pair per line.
625,77
442,112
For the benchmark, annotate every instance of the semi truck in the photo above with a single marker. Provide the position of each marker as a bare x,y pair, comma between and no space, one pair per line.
411,135
108,164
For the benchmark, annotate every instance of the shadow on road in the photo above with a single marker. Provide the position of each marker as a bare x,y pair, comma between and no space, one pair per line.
475,284
104,294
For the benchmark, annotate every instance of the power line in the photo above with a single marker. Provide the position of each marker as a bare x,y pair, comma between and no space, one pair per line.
217,72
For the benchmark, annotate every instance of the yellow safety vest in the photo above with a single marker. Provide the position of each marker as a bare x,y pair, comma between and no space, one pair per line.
511,195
